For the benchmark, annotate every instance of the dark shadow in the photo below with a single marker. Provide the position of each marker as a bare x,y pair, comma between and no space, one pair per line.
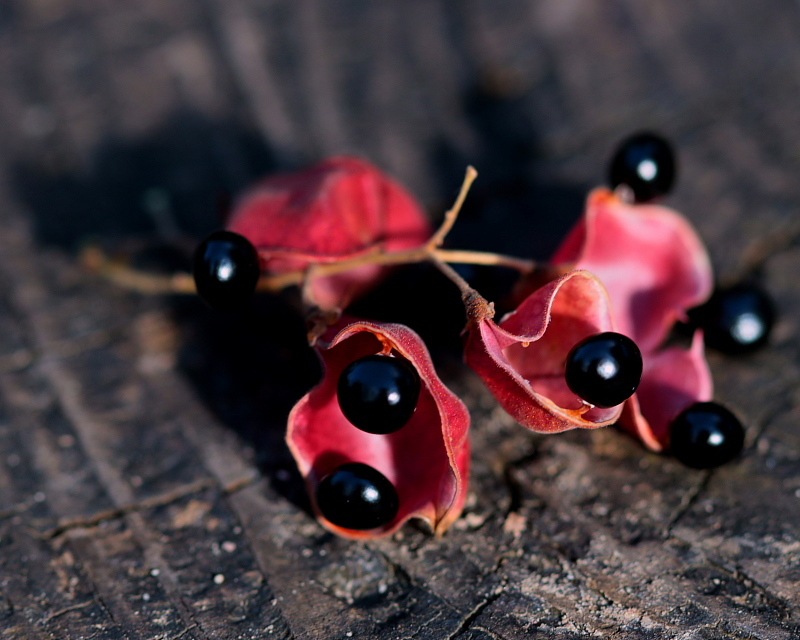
160,195
10,13
251,367
508,210
176,182
420,297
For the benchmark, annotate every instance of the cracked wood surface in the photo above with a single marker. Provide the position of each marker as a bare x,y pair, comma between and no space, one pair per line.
145,491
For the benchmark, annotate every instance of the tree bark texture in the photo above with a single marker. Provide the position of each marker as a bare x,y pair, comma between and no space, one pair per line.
145,490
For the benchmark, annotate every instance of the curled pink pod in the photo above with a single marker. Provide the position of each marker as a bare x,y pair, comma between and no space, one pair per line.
655,269
523,359
336,210
366,483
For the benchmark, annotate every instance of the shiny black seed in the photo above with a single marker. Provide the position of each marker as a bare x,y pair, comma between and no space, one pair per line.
379,394
604,369
646,164
736,320
356,496
706,435
226,270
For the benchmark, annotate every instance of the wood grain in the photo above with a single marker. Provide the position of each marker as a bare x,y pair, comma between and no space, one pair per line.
145,490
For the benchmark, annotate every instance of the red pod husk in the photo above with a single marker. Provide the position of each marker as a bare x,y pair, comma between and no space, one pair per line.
522,359
427,460
655,269
338,209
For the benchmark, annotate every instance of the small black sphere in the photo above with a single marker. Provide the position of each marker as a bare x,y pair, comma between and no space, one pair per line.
706,435
378,394
226,270
356,496
604,369
736,320
645,163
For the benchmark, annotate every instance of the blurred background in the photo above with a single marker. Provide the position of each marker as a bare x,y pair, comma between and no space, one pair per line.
148,117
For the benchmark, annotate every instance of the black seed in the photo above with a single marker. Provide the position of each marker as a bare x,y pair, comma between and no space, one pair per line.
736,320
604,369
379,394
646,164
226,270
356,496
706,435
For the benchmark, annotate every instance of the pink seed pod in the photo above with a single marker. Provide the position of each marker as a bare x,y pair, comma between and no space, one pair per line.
426,461
339,209
522,360
655,269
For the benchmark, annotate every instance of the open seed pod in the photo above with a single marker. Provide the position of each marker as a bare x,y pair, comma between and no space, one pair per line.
522,360
426,461
655,269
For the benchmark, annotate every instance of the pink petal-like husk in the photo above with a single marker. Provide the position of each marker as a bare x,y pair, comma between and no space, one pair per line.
338,209
528,381
655,269
649,258
672,380
427,460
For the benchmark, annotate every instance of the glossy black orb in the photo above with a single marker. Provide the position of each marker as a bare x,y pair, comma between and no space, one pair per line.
706,435
226,270
646,164
736,320
379,394
356,496
604,369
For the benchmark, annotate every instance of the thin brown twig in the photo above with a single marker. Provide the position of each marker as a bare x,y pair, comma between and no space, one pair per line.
476,306
461,256
74,607
124,276
463,286
452,214
183,283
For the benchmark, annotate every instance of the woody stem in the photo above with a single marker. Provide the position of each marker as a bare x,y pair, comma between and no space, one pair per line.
463,286
459,256
450,216
476,305
129,278
422,254
431,251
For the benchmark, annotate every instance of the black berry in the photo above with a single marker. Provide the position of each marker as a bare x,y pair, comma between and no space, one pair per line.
706,435
356,496
736,320
645,163
604,369
379,394
226,270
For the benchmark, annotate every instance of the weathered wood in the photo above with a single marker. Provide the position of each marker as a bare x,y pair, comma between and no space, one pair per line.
145,490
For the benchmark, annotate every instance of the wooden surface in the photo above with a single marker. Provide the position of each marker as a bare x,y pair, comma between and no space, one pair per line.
145,491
